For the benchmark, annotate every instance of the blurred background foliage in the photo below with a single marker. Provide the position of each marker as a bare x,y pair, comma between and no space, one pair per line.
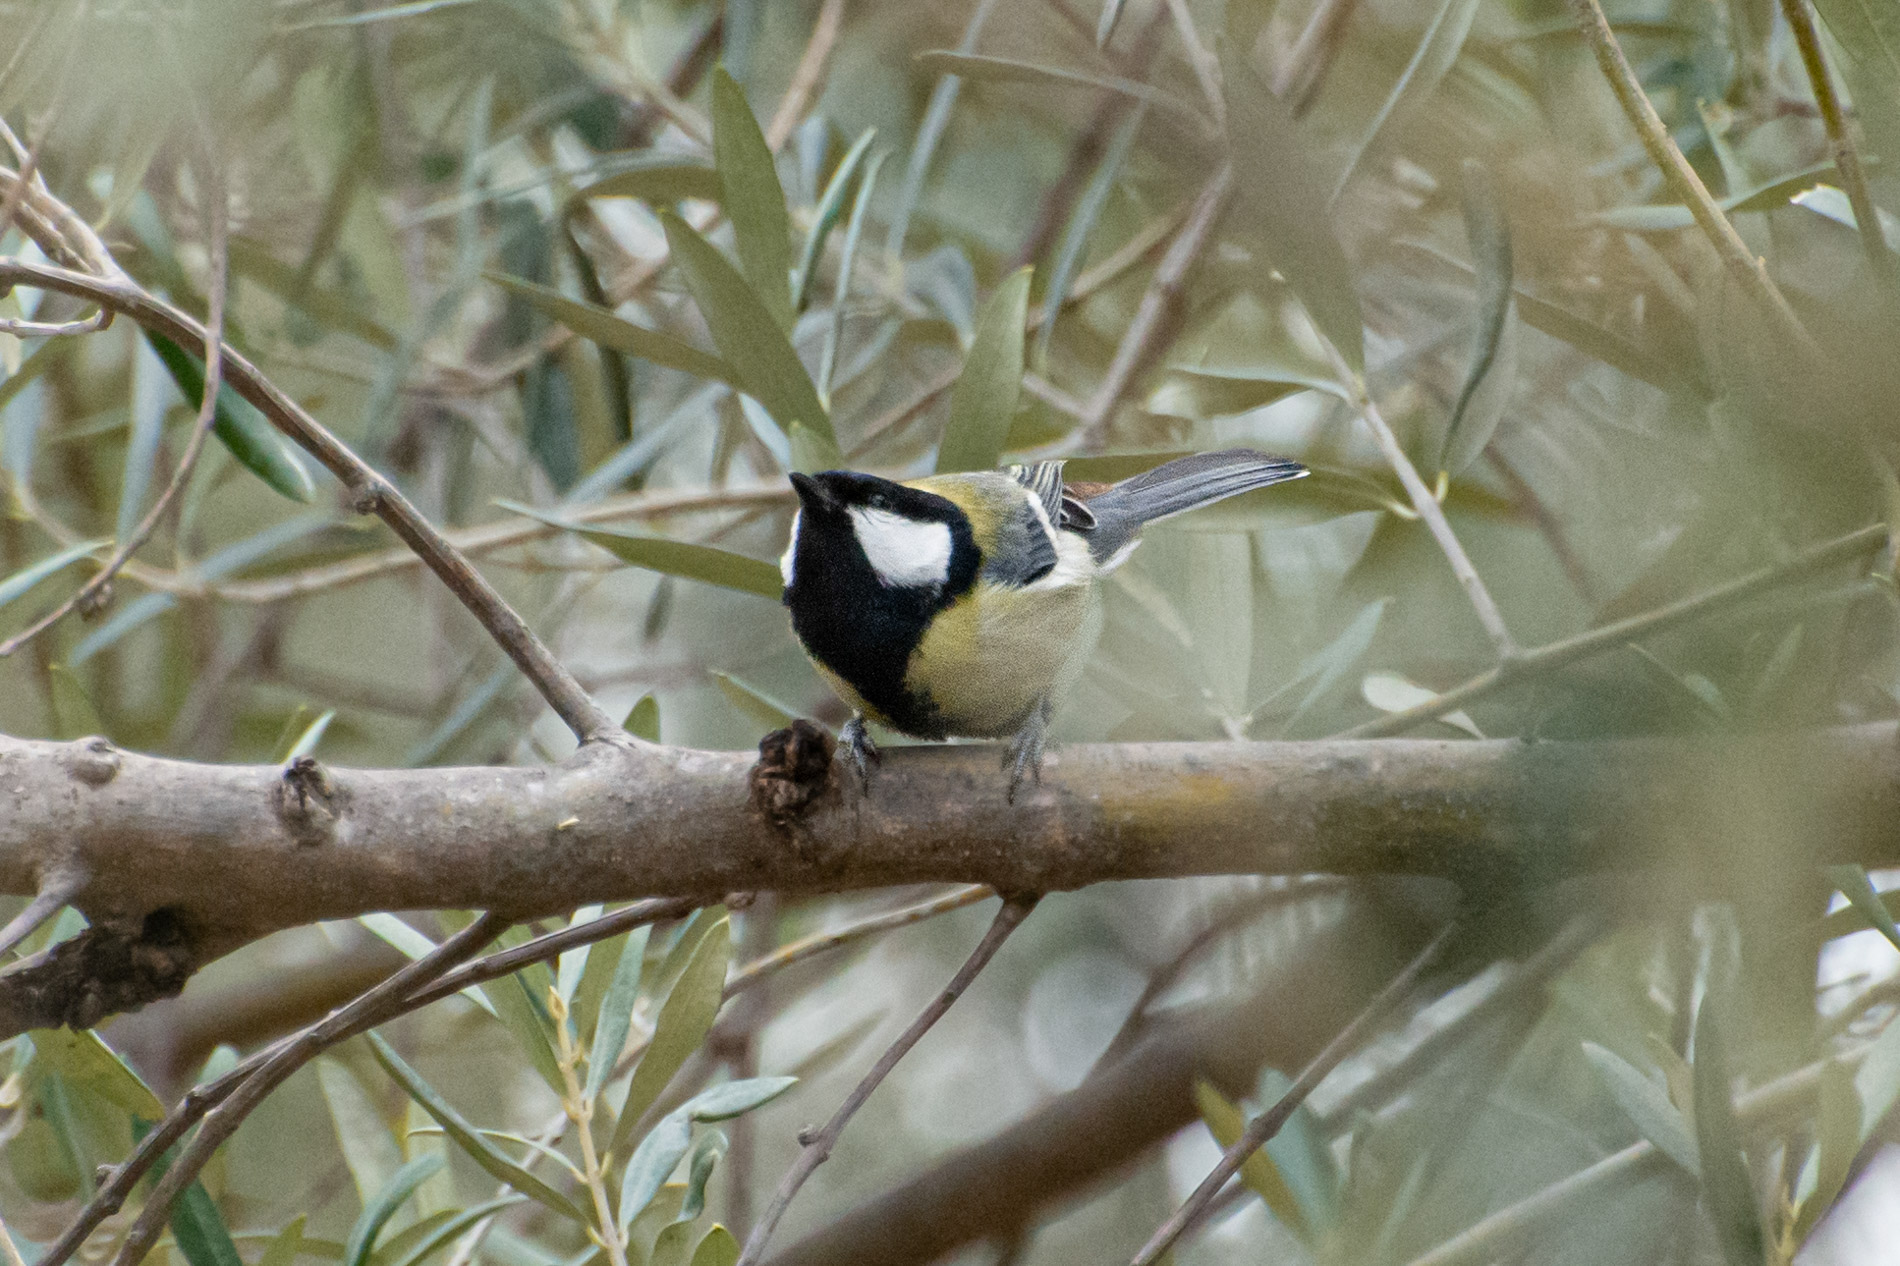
472,237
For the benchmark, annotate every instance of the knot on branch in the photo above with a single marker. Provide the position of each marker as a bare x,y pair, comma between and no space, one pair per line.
793,772
115,965
94,761
307,801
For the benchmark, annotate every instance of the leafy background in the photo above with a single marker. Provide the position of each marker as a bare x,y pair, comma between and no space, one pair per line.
542,264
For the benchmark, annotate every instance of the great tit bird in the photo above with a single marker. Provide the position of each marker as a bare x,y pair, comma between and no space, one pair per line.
964,605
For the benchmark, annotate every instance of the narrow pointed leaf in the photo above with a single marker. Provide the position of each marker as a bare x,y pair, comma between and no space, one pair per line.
238,425
984,400
1726,1185
661,182
22,581
1647,1105
447,1230
199,1227
83,1058
283,1250
718,1248
673,558
684,1020
754,200
658,1155
1859,891
734,1098
830,209
706,1154
1014,70
375,1215
744,330
1489,232
598,325
491,1158
1226,1122
1280,206
1437,49
616,1012
1081,226
643,721
755,703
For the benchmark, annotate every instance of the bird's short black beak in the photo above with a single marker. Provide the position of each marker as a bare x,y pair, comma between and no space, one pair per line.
813,494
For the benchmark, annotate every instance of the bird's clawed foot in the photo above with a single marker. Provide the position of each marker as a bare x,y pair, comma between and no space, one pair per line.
1024,757
855,743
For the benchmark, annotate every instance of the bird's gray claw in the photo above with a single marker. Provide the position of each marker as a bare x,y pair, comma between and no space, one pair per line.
855,742
1024,756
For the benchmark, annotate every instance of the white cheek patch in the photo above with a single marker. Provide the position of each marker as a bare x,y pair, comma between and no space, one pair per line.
791,549
904,553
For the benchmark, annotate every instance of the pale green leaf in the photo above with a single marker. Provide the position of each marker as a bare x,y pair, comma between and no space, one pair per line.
1081,226
983,402
658,1155
616,1012
660,181
1859,891
83,1058
370,1150
22,581
754,200
1492,369
683,1022
754,702
383,1205
1014,70
705,563
257,445
492,1159
598,325
825,218
1727,1188
1437,50
1281,206
1646,1104
748,337
718,1248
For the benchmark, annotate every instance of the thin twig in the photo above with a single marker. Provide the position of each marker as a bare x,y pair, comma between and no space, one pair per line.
1561,654
1157,310
580,1111
1496,1237
1433,514
364,1011
86,595
768,965
371,493
809,73
1300,73
1846,158
1164,978
1268,1123
55,891
1206,66
738,1041
1742,263
817,1147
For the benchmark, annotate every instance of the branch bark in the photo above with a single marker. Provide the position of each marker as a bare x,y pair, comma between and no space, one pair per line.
182,862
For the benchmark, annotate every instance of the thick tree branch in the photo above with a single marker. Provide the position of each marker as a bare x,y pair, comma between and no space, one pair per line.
206,857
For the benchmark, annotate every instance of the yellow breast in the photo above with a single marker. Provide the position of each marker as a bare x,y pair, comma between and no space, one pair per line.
991,658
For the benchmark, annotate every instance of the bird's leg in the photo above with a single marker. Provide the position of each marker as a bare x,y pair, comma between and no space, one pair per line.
856,742
1025,750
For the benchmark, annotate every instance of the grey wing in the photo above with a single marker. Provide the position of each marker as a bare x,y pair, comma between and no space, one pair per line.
1044,481
1024,551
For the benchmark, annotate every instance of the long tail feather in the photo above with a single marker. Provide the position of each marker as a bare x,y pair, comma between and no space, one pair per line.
1175,487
